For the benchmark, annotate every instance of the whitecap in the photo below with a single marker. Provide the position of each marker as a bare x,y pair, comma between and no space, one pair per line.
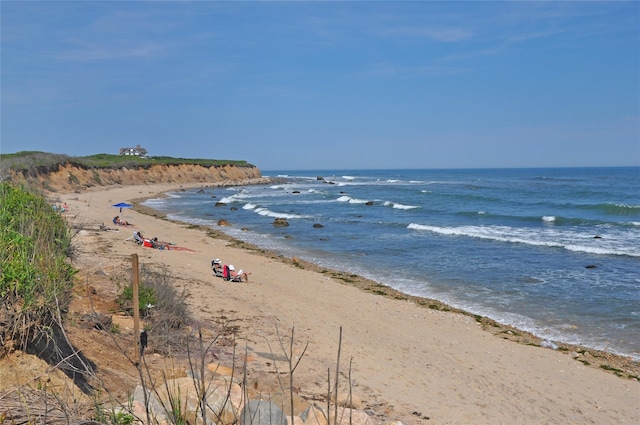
527,237
351,200
228,199
268,213
404,207
548,218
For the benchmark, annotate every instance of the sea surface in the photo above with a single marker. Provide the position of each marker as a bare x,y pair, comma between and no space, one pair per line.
555,252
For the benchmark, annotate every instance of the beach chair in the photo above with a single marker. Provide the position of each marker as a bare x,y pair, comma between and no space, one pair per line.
216,266
226,275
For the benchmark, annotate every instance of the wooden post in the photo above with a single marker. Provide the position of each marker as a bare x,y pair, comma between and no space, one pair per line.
135,283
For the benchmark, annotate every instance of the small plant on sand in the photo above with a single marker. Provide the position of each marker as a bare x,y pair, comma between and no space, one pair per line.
113,416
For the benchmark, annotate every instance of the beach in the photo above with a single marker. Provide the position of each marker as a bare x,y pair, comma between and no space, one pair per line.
418,364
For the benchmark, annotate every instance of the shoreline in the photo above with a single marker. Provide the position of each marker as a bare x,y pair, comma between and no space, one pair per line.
444,356
619,364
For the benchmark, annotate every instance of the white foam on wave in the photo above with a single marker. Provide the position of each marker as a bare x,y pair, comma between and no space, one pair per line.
154,203
249,206
548,218
348,177
268,213
399,206
404,207
228,199
191,220
345,198
549,238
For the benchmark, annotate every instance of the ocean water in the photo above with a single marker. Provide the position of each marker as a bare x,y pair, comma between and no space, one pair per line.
555,252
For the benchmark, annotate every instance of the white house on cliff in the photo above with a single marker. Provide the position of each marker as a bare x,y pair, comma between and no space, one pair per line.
137,151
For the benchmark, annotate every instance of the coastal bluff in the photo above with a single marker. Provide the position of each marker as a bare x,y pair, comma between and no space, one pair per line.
71,177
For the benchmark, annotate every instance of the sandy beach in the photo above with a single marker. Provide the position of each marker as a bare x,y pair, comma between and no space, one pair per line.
420,365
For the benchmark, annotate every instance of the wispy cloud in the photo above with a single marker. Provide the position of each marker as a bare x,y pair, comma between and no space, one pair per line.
443,34
90,51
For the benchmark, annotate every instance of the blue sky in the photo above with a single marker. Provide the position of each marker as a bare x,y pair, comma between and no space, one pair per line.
326,85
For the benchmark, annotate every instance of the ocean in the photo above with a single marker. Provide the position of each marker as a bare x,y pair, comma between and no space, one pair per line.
555,251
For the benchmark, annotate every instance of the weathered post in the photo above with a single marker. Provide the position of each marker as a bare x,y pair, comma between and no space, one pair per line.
135,283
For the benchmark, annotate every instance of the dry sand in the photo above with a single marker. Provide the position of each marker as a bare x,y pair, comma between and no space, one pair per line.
421,365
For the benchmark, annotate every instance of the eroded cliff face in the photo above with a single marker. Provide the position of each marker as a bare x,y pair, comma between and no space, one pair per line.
69,178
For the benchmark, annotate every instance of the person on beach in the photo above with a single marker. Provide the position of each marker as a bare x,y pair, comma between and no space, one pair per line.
239,275
155,243
119,222
216,266
137,236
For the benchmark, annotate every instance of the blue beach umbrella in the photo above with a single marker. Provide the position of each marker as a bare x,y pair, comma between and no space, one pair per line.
122,205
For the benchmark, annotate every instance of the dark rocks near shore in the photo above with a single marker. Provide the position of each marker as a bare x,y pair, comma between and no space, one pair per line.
220,204
223,222
318,226
280,222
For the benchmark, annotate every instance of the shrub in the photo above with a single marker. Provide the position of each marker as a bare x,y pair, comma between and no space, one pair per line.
36,276
165,309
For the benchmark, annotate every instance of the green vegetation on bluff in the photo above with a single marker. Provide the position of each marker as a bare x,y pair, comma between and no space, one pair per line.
33,160
36,277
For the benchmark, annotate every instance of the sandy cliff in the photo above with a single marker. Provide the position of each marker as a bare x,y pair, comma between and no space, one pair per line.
73,178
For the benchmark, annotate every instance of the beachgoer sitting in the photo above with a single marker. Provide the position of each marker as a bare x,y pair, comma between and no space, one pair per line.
238,276
119,222
155,243
216,266
137,237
